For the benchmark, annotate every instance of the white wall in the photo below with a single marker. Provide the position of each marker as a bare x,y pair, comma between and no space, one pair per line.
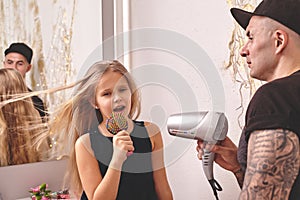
210,25
71,30
86,28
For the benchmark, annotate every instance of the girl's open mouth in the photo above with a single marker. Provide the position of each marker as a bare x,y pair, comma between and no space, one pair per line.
119,109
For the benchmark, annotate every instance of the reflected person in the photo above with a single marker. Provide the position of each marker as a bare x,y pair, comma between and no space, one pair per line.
18,56
20,122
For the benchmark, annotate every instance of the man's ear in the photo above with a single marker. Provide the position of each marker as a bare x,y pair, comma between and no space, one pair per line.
281,40
28,68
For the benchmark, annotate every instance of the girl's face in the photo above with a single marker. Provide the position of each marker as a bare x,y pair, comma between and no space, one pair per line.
113,94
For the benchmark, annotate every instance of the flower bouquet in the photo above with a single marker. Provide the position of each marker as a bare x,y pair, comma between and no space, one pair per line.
40,192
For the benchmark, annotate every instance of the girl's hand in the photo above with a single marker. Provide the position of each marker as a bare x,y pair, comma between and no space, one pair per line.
122,144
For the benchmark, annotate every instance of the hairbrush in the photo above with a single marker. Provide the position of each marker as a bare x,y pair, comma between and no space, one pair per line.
116,123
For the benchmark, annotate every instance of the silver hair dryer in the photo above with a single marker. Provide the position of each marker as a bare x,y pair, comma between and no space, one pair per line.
209,126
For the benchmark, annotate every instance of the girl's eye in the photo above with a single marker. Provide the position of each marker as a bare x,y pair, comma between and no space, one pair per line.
123,89
106,94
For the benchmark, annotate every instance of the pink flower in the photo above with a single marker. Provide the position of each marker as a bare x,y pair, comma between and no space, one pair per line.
36,189
64,196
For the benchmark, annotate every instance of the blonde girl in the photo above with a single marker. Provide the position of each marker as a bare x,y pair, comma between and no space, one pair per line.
100,167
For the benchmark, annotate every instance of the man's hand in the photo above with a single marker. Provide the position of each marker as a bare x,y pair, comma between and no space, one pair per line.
225,154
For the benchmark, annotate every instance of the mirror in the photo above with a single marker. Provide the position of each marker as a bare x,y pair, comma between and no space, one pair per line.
61,34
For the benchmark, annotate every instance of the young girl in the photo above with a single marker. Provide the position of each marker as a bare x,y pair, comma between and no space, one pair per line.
100,164
20,122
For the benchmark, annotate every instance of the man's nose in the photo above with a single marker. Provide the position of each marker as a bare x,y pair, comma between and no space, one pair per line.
244,51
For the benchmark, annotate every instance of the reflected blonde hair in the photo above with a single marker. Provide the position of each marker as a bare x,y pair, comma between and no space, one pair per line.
20,122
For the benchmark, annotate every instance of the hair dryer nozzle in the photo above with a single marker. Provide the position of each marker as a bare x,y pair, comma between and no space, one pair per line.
207,125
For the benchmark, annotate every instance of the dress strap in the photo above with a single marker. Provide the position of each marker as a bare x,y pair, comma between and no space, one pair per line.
139,123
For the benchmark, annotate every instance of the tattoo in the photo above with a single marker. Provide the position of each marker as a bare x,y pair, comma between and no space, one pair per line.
272,164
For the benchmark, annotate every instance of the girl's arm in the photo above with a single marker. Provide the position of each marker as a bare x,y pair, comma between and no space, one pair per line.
94,185
159,173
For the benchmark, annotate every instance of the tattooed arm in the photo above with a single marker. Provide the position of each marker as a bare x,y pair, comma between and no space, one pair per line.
272,166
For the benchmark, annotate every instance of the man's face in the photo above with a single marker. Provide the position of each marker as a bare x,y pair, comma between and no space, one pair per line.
18,62
259,50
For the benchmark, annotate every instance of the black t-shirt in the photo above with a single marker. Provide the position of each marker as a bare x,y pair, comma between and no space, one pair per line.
275,105
38,105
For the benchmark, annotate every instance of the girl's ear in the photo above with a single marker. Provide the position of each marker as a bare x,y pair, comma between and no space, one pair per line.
93,104
99,115
97,111
281,40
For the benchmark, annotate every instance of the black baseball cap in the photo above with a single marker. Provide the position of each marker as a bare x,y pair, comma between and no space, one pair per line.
286,12
20,48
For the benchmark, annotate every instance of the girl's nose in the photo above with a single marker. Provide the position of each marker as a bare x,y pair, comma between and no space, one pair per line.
117,98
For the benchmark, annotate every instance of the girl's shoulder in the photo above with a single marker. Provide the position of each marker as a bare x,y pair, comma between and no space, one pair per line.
84,137
84,141
152,128
146,124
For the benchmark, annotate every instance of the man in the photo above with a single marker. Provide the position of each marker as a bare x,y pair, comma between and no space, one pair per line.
266,163
18,56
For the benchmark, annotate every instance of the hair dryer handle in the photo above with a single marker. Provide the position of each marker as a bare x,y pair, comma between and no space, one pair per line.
207,163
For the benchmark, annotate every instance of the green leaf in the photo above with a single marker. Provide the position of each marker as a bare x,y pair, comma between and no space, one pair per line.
43,187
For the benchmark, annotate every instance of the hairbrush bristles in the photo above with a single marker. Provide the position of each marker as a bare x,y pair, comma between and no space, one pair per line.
116,123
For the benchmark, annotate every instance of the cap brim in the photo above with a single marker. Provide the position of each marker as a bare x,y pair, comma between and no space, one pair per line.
242,17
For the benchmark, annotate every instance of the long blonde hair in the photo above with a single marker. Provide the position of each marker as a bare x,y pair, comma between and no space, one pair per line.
77,116
19,121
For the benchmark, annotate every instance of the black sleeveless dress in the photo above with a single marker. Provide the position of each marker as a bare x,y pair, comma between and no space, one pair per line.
136,182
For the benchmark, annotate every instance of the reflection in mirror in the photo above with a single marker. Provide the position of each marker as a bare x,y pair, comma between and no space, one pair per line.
54,31
20,122
25,136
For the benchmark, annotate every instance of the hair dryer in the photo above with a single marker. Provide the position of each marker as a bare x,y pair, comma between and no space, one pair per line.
209,126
